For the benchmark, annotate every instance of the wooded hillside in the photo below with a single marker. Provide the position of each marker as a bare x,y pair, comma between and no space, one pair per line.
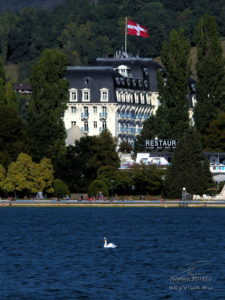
14,5
85,29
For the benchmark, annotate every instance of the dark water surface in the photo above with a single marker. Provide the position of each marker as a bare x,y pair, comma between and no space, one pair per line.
57,253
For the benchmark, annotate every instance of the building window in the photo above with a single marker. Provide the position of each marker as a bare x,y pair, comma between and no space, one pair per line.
73,123
142,96
73,95
95,124
73,109
86,110
85,126
136,95
104,126
104,95
148,98
95,109
123,70
104,109
85,95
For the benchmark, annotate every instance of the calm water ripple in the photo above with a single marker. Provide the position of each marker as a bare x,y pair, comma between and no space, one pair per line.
58,254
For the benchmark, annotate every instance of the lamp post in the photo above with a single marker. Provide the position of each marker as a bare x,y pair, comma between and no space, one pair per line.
184,193
112,181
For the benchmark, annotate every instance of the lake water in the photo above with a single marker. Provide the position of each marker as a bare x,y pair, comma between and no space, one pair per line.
162,253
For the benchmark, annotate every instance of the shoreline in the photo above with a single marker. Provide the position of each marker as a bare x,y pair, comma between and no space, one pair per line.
164,204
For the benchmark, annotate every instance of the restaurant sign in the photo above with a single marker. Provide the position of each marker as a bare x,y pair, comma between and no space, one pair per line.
160,144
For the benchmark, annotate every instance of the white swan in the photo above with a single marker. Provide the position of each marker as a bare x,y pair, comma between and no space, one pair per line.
110,245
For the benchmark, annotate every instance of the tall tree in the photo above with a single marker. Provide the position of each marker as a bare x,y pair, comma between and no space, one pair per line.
7,23
45,125
172,114
11,97
189,167
104,151
11,135
215,138
210,68
172,117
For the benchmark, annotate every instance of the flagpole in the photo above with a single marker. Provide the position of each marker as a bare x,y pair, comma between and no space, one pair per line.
125,48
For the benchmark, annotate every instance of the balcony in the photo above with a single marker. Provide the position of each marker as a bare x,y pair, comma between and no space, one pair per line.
84,129
103,116
84,116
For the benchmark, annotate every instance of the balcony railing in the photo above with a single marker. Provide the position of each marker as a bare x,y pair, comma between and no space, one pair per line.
84,129
84,115
134,117
131,130
103,115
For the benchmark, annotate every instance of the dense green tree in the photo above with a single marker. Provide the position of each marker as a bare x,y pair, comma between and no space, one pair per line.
189,167
210,68
19,175
215,135
146,179
138,180
117,181
2,83
7,23
37,29
82,161
172,117
45,126
11,98
76,169
109,175
125,147
12,139
69,41
97,187
60,188
2,176
26,176
149,131
43,175
104,150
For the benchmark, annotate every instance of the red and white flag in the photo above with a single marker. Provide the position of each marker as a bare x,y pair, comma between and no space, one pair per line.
134,28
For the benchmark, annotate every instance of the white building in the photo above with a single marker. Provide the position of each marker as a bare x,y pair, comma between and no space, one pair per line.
118,93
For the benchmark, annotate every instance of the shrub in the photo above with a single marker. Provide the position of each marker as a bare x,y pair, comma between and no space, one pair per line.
60,188
96,187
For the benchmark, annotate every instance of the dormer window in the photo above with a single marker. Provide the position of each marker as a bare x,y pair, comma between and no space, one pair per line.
123,70
104,95
73,95
85,95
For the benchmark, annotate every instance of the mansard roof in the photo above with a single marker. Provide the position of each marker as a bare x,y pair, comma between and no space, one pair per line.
105,74
93,78
140,68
